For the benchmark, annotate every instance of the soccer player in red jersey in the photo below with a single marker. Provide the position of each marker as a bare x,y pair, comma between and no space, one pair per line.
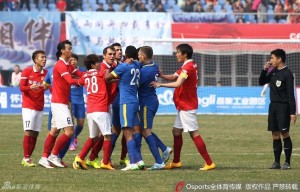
32,88
186,102
98,117
108,63
62,119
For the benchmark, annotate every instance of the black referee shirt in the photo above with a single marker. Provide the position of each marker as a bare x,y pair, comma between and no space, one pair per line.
281,86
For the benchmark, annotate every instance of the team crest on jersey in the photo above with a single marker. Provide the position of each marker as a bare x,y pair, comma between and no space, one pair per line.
278,83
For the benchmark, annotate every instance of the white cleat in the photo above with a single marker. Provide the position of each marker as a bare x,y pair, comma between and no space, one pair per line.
157,166
55,161
45,163
166,154
131,167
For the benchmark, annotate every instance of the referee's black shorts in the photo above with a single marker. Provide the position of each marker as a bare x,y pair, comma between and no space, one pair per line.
279,117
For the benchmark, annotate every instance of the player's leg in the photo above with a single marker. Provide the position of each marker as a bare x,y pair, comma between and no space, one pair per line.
177,143
127,116
137,134
63,119
284,126
79,162
93,159
32,124
273,127
104,123
79,114
146,121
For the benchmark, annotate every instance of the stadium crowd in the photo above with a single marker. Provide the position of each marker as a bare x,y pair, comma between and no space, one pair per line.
263,11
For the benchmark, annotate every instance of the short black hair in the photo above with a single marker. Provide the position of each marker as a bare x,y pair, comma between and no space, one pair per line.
34,54
185,49
116,44
60,46
75,56
131,52
109,47
279,53
90,60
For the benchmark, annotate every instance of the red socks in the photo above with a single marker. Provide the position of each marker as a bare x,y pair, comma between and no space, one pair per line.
177,148
106,151
202,149
60,144
96,148
48,146
26,146
86,148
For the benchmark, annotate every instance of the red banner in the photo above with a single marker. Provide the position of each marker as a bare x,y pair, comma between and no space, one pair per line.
243,31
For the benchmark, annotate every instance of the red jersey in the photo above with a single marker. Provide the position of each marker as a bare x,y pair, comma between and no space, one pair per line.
111,87
62,80
32,99
97,97
185,97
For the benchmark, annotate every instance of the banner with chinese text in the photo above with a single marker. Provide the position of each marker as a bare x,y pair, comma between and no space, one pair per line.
91,32
21,33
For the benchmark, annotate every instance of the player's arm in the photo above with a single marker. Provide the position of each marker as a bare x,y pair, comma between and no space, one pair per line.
180,79
109,76
24,86
77,73
265,77
290,92
172,77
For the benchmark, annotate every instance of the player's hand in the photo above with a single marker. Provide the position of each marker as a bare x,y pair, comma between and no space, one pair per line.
34,87
293,118
155,84
267,65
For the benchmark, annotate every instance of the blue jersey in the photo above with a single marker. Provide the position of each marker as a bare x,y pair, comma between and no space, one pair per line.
147,94
49,77
76,96
129,75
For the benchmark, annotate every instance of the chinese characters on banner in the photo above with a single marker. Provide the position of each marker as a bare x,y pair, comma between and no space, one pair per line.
93,31
22,33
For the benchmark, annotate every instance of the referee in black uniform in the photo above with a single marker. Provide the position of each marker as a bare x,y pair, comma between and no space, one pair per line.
282,109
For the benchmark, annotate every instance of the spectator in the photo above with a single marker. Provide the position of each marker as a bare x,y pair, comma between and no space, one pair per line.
16,76
110,8
100,7
188,6
1,80
160,8
248,6
61,5
73,5
125,4
2,5
278,11
26,4
239,19
238,7
142,8
198,8
262,11
210,8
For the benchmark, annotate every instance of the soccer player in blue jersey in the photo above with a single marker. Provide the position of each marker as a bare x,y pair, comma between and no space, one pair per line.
149,104
77,105
129,76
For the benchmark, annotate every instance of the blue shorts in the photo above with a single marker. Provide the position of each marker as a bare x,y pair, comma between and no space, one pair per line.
129,114
49,119
78,111
147,114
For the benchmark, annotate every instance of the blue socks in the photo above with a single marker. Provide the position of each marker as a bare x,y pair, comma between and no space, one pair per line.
153,148
138,142
159,143
131,147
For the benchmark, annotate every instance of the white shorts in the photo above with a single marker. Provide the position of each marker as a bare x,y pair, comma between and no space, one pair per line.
99,121
186,120
61,116
32,119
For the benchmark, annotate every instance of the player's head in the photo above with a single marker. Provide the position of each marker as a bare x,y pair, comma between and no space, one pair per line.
118,49
277,57
39,58
16,68
74,59
184,52
145,54
92,61
109,55
131,52
64,50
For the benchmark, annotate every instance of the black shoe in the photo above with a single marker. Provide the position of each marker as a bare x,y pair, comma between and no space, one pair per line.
286,166
275,166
